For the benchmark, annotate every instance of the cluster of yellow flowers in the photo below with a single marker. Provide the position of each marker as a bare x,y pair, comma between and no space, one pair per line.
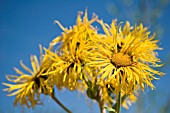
117,61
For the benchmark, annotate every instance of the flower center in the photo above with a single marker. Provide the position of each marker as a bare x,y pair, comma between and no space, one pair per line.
121,60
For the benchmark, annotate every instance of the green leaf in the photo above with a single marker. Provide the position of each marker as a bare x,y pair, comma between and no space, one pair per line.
110,109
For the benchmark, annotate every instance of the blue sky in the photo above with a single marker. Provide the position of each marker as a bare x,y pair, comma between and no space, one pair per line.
24,24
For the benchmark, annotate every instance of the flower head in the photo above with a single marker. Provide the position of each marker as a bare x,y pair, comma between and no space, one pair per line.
69,59
125,57
28,87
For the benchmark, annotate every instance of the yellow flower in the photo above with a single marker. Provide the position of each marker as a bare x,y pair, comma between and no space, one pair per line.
125,57
69,61
28,87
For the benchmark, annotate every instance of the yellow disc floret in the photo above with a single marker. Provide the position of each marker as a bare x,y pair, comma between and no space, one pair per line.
120,59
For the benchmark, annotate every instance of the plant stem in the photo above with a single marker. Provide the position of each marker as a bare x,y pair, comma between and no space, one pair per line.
119,101
100,101
59,103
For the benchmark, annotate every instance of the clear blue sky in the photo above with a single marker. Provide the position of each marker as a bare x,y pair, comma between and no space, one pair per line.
26,23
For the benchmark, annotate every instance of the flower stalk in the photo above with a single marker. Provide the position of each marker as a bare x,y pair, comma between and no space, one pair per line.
119,101
59,103
101,101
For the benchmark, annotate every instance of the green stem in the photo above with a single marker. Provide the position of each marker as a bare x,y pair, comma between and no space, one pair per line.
119,101
59,103
101,101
